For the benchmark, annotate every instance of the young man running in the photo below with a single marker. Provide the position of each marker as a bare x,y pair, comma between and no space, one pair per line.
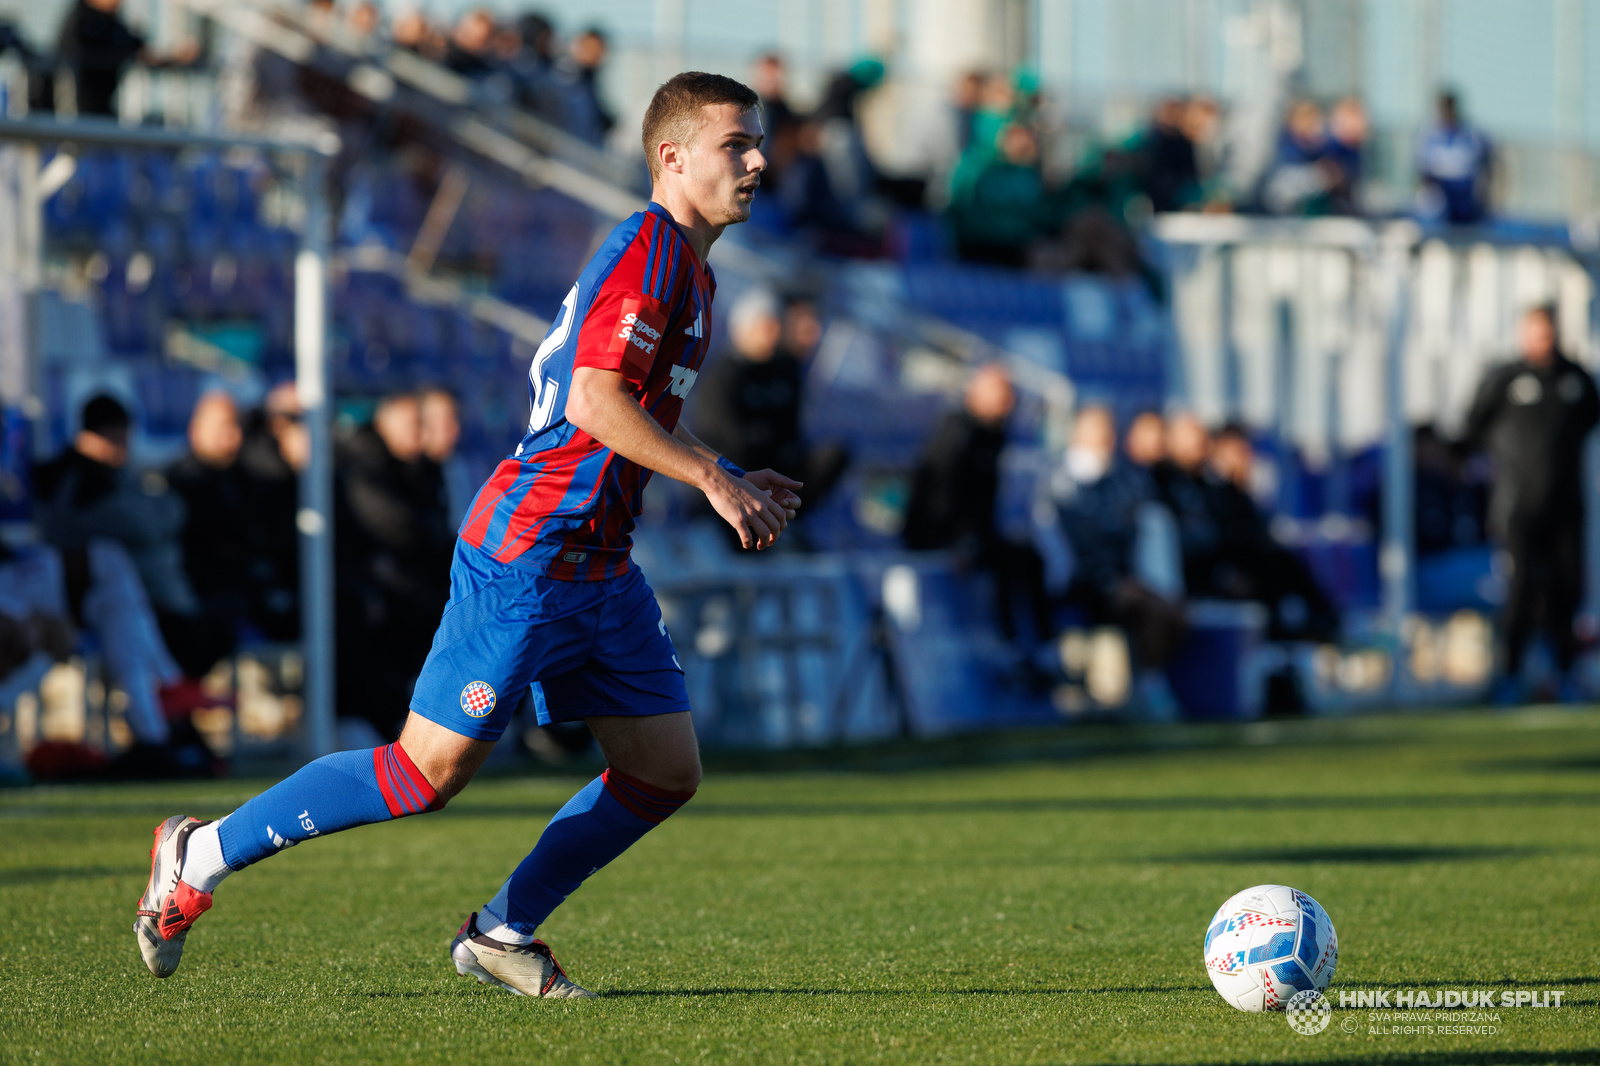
542,591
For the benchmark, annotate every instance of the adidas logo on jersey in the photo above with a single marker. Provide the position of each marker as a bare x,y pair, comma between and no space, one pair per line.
637,331
696,328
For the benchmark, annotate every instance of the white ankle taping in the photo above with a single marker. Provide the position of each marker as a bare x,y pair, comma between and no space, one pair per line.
203,865
494,927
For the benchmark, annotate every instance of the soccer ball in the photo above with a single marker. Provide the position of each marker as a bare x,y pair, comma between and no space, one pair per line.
1267,943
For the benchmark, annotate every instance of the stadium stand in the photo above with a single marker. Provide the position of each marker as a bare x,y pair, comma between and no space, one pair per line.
456,242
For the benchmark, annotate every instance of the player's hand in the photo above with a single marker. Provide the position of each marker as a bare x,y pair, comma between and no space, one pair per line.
750,511
780,488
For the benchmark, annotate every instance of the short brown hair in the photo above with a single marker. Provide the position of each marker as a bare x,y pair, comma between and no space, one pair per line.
674,111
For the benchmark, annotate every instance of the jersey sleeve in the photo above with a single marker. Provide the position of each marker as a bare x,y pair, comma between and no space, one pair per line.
623,331
629,316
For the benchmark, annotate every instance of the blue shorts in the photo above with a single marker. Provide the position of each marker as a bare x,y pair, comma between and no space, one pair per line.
586,647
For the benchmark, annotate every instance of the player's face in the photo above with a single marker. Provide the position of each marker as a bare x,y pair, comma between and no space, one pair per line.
723,166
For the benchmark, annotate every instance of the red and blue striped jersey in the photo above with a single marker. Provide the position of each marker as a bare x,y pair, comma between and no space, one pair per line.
563,504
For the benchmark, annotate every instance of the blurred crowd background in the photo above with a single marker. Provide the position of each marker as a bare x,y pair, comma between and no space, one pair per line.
1055,305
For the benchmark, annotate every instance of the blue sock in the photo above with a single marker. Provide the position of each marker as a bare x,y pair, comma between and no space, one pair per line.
338,791
595,826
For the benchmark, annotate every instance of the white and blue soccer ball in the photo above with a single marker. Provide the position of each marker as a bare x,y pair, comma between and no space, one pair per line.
1267,943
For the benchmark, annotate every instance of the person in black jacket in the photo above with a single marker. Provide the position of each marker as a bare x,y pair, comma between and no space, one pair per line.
953,493
1171,169
392,542
276,450
87,491
1099,508
751,405
1532,416
98,47
957,480
748,405
216,534
1251,564
1188,489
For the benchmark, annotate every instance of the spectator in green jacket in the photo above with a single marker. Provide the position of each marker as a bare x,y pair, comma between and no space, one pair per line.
1006,205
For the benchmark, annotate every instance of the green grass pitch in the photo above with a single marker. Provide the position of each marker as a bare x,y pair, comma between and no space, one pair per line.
1035,898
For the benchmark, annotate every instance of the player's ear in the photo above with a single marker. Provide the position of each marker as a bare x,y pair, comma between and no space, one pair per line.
670,155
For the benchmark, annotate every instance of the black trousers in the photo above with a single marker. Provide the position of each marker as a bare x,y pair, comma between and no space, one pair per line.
1546,586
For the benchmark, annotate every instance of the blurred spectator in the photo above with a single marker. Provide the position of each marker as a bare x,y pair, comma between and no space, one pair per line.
1455,164
364,22
119,553
985,116
779,122
807,194
1183,483
441,433
964,103
1171,170
1532,417
216,532
1299,179
276,449
749,403
392,541
45,594
506,45
471,43
1348,129
997,108
533,68
1318,166
1005,207
1097,202
953,493
750,406
825,461
1202,124
1099,510
1146,443
413,32
98,47
1250,564
588,117
833,137
86,492
39,69
36,620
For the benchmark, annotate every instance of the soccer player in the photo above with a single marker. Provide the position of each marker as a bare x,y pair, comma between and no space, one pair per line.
542,588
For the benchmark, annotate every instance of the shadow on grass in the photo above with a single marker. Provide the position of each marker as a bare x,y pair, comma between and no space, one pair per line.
101,809
37,875
1439,1058
697,993
1572,764
1157,804
1464,983
1361,855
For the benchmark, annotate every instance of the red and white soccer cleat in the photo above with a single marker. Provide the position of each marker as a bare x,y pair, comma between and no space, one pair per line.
169,906
524,969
